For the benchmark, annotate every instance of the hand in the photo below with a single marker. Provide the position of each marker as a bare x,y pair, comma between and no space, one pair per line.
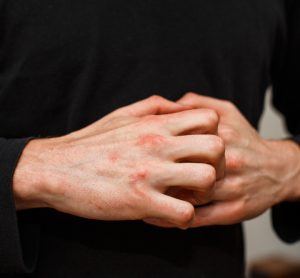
259,173
119,167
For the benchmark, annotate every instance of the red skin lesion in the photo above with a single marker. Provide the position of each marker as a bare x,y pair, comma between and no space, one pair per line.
138,177
150,139
113,157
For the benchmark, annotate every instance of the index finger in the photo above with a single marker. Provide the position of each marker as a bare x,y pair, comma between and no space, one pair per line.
195,121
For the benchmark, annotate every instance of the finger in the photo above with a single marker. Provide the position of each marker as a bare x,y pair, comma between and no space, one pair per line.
198,177
191,122
183,194
219,213
215,214
150,106
229,188
160,223
153,105
199,101
199,148
172,210
196,198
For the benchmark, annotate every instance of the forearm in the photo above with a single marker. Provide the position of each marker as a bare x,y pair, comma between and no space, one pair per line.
287,168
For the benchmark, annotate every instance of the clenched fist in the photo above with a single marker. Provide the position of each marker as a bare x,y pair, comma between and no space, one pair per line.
260,173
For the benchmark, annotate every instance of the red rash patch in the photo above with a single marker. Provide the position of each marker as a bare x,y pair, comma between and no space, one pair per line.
150,139
113,157
138,177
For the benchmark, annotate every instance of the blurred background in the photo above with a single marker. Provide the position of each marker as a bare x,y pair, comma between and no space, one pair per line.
262,244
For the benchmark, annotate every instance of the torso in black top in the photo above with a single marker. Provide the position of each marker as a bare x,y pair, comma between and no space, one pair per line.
66,63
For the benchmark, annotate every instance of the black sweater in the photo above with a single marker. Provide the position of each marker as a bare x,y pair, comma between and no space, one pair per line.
66,63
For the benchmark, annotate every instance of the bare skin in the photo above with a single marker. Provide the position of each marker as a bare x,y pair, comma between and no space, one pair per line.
120,167
259,173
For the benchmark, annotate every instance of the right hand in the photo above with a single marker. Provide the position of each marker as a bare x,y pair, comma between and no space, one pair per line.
119,167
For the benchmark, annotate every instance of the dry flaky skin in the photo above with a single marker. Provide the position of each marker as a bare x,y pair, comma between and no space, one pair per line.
120,167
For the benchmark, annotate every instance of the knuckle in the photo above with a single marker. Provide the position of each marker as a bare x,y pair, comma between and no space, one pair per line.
151,140
237,185
217,146
190,95
186,215
212,118
228,104
156,98
228,134
210,176
235,161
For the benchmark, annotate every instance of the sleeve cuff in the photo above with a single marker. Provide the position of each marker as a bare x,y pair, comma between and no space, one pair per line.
286,221
296,139
18,232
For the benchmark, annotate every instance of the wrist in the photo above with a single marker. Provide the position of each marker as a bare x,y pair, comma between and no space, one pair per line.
286,167
31,180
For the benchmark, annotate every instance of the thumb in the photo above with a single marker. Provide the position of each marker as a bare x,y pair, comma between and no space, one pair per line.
219,213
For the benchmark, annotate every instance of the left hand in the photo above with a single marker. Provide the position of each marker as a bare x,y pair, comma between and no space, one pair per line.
259,173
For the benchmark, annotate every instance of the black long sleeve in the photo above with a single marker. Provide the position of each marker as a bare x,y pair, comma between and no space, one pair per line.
66,63
286,91
18,237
